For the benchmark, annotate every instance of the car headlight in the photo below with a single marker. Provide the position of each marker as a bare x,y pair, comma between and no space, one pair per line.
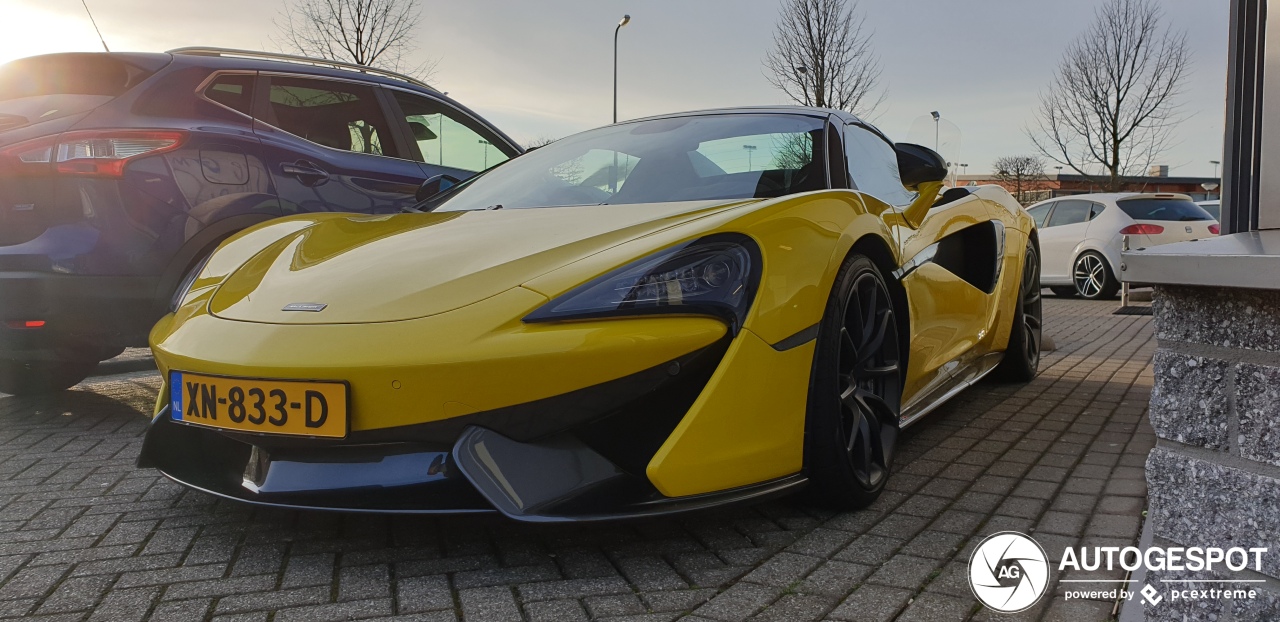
716,275
184,287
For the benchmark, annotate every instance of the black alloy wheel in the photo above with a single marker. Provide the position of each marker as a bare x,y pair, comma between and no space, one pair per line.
1022,355
856,392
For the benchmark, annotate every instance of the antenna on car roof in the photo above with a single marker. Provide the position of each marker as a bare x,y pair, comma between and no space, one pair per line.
95,25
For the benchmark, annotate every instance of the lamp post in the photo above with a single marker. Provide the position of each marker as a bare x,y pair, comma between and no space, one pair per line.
750,149
936,118
1209,187
1215,164
803,72
486,152
626,19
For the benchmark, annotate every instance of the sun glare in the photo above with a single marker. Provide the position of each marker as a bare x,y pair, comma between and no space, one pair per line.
28,31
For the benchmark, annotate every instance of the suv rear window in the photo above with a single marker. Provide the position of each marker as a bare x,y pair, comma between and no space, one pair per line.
48,87
1163,209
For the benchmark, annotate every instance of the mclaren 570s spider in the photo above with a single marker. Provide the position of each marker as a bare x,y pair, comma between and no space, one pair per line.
651,317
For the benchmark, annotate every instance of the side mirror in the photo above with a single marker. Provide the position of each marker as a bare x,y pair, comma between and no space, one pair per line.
917,165
435,185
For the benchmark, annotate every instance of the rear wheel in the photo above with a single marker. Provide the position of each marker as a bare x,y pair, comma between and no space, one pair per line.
1092,277
855,393
1064,292
1022,356
37,377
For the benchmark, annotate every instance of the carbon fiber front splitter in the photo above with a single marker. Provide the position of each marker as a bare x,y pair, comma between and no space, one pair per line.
559,479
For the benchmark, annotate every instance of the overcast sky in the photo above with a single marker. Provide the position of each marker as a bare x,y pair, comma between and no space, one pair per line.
543,68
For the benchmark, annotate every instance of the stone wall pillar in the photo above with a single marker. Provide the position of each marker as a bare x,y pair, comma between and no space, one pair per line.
1214,476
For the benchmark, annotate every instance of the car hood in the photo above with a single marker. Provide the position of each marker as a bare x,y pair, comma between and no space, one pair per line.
360,269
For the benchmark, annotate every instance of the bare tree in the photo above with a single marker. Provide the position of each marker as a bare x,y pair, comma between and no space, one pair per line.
1112,104
541,141
822,56
375,33
1023,175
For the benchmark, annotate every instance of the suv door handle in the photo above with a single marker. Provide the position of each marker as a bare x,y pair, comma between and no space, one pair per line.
306,172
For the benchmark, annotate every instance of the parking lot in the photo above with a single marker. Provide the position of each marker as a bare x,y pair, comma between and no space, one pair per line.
84,535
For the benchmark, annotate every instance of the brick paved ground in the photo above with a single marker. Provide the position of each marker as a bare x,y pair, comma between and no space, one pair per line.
86,536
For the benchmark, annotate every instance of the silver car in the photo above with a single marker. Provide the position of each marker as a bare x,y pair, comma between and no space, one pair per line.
1080,235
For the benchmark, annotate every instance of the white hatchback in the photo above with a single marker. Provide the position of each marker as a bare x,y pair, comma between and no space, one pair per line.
1080,235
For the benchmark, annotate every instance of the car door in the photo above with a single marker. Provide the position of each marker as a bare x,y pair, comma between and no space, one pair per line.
444,139
331,146
1061,236
947,313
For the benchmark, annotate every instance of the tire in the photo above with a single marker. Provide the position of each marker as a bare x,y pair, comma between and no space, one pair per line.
1022,355
38,377
1092,277
855,391
1068,291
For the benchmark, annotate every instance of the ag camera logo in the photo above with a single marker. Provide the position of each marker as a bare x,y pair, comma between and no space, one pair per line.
1009,572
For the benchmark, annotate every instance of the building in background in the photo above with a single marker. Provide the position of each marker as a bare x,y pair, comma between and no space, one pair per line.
1057,185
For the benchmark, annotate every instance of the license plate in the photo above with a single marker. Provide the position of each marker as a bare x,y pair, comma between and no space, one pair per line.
288,407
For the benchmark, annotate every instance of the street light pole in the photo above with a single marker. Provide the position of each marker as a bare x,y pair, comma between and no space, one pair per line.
1215,164
803,72
486,153
750,149
936,117
622,22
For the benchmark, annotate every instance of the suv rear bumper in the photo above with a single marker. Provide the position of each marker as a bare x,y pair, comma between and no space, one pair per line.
82,315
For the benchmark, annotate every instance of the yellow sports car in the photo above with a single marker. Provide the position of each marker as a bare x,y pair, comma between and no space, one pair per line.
650,317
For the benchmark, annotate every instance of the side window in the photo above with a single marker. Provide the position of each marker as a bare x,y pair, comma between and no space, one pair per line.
1095,210
338,115
234,91
873,166
1040,213
447,138
1070,213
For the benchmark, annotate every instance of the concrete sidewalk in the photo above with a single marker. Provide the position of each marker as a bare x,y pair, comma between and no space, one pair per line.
86,536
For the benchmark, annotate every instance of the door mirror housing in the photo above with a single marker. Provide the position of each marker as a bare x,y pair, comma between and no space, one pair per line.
435,185
917,165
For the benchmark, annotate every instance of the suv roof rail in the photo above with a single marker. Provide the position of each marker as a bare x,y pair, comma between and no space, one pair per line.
291,58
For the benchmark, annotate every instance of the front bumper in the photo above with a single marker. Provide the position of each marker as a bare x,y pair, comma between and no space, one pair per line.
83,315
574,457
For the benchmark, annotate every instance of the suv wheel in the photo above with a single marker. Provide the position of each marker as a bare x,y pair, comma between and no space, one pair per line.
36,377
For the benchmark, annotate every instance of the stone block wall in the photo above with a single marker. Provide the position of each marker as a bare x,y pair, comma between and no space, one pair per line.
1214,476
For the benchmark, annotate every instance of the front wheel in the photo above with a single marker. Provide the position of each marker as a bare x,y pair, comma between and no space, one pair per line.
1092,277
37,377
1022,356
855,394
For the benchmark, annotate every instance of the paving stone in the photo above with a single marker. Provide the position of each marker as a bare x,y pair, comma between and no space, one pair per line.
555,611
834,578
418,594
738,602
677,600
872,603
903,571
929,607
489,604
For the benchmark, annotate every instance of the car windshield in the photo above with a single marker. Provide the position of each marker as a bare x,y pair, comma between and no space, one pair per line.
1163,209
729,156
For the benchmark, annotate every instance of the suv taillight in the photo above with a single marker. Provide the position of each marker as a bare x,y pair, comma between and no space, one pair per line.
1215,229
1142,229
98,153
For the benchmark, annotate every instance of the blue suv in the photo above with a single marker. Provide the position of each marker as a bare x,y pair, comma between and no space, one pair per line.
119,173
